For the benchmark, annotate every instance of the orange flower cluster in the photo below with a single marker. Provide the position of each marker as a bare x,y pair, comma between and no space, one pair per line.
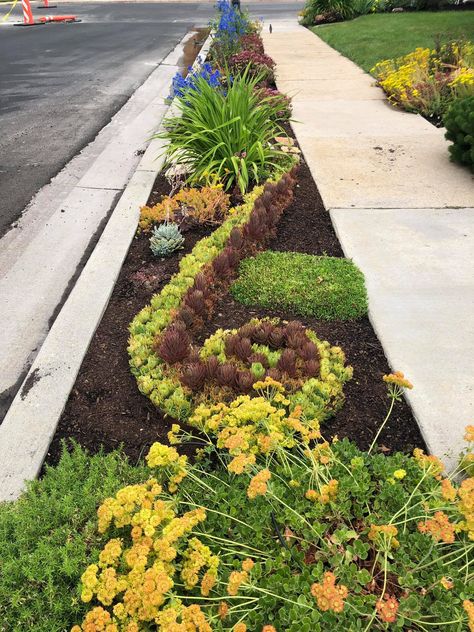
387,609
430,463
98,620
439,527
240,627
469,608
398,379
240,463
466,506
269,628
384,536
328,492
237,578
258,484
321,453
223,610
446,583
329,596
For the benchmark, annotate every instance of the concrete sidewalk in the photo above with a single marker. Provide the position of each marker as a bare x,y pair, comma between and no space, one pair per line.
403,212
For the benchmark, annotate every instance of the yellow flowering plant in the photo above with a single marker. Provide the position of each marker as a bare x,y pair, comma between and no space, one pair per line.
135,572
236,551
427,81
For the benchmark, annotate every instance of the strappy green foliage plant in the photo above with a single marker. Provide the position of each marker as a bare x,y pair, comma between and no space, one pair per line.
227,136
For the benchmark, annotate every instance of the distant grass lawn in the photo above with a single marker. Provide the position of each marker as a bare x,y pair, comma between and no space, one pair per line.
371,38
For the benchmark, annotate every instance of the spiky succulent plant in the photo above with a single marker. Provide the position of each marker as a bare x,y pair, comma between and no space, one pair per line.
166,238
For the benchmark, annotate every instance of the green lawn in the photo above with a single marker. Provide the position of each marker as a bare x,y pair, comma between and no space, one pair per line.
371,38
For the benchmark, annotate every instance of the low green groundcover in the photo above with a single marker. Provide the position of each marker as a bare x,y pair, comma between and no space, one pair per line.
49,536
329,288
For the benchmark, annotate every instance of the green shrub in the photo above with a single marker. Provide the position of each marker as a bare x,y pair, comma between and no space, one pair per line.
48,535
332,10
459,123
227,137
325,287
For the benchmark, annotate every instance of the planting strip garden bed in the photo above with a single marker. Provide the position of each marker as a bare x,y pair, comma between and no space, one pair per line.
105,407
269,505
31,421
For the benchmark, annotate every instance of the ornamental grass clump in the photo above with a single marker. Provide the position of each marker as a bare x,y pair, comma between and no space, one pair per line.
227,137
327,11
277,535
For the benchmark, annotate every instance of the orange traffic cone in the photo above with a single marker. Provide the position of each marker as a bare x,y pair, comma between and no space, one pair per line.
58,18
27,13
46,5
29,21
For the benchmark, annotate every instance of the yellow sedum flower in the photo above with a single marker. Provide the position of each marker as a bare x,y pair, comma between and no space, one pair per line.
136,572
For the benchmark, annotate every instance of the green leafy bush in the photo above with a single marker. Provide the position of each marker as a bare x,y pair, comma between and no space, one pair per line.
228,137
330,10
329,288
165,239
48,535
459,123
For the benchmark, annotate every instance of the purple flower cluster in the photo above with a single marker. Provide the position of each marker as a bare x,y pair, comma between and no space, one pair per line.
182,84
232,25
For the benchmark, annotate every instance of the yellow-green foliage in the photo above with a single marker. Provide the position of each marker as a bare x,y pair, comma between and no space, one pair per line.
250,426
425,80
155,317
207,204
318,397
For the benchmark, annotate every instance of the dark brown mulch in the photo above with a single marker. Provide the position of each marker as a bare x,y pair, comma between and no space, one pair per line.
105,407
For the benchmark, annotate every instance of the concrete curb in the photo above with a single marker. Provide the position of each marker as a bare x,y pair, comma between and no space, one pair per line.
30,424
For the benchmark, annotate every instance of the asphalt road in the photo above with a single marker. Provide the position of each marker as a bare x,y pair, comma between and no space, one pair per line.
61,83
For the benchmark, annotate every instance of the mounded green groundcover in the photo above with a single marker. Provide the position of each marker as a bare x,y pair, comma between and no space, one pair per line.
49,536
329,288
